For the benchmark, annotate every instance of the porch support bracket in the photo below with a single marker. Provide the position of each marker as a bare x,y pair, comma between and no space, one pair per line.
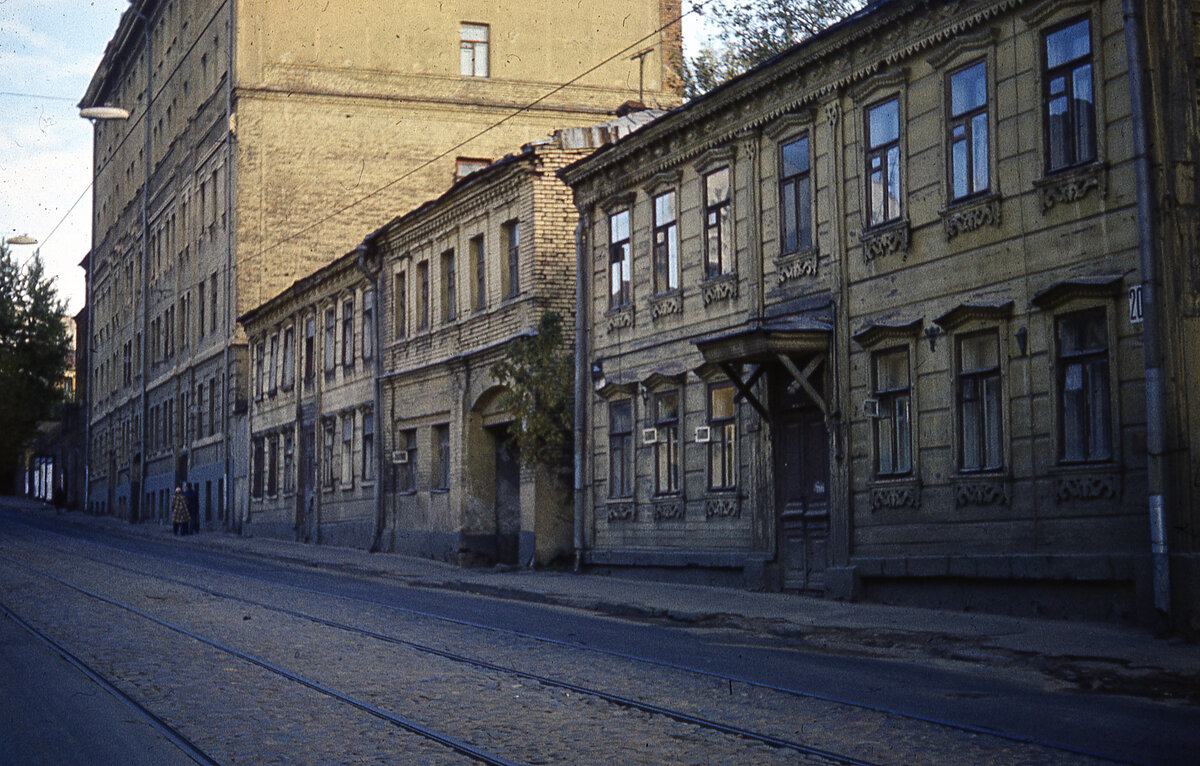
744,387
801,378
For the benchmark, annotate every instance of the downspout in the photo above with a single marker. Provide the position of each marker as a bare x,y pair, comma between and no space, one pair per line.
1148,258
230,272
361,253
581,386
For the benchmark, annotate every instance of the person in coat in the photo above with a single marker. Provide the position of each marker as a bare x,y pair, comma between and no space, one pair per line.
180,518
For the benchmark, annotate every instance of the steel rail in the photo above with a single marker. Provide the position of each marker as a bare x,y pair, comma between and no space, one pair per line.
400,721
677,715
189,748
955,725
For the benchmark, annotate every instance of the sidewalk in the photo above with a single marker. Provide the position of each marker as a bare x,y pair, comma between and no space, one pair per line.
1046,653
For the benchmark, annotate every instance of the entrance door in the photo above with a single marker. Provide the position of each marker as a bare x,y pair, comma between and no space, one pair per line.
306,480
802,497
508,496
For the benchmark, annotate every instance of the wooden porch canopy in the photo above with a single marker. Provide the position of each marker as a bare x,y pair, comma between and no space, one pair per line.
775,340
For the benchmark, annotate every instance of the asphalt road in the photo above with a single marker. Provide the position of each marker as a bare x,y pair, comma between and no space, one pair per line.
1125,729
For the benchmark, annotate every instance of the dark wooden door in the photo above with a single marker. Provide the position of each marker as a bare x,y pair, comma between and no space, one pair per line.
802,497
508,496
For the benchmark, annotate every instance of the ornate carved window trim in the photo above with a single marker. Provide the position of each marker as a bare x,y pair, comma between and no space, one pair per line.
619,318
789,125
621,512
666,304
879,331
612,390
616,202
982,491
716,157
964,46
895,495
1103,287
1040,19
673,509
797,266
886,240
1072,185
974,311
971,215
1102,484
723,506
663,181
1053,10
720,288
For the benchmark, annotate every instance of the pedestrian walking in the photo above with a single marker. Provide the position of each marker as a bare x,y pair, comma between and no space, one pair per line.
192,493
179,512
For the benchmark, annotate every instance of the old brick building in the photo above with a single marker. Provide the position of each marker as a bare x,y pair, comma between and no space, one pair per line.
261,136
424,463
864,321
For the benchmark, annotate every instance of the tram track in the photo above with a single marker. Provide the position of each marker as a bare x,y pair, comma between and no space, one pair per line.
403,722
677,715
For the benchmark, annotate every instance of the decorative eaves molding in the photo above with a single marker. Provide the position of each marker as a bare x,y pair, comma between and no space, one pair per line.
887,329
963,45
1103,286
974,311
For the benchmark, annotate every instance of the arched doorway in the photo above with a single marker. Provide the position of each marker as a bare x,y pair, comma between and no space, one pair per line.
495,477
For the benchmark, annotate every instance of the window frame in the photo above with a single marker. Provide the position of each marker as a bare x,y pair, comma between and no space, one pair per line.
793,181
449,287
886,399
368,325
620,443
966,120
979,379
723,440
512,247
347,348
620,288
1048,75
475,47
1062,362
670,445
439,480
477,253
665,244
871,152
722,227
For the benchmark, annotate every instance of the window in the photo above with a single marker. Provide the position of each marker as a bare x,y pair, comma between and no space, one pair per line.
473,51
1070,108
666,446
400,305
893,430
620,448
883,162
310,350
512,245
348,333
200,410
449,296
330,341
423,295
441,468
979,418
478,273
666,244
212,298
272,374
256,484
722,425
1085,427
406,472
795,200
368,325
619,250
346,456
272,466
260,354
368,445
214,405
288,369
718,226
968,131
327,467
289,463
465,166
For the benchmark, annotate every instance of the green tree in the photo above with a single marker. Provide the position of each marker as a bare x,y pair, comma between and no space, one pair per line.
34,348
748,32
537,373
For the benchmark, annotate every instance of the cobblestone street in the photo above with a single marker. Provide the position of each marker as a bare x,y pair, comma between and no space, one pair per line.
257,669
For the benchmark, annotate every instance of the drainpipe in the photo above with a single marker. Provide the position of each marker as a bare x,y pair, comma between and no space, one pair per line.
1151,269
581,386
362,252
